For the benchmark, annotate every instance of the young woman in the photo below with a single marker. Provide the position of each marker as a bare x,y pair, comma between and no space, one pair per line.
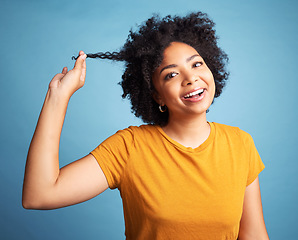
180,177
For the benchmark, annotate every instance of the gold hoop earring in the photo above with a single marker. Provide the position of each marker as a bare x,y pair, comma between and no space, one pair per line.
162,109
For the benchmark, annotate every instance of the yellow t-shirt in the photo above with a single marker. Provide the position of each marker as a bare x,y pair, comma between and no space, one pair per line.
170,191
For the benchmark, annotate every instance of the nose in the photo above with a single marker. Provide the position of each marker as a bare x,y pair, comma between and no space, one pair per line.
189,78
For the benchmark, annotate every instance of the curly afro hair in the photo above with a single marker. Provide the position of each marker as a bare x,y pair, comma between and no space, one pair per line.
143,53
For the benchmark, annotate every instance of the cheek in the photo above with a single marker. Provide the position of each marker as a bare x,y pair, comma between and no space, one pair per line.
172,88
210,79
167,94
213,83
213,87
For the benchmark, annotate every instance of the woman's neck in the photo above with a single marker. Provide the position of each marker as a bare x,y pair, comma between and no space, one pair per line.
190,132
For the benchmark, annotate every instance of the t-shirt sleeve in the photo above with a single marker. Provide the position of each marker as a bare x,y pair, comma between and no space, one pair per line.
112,155
255,163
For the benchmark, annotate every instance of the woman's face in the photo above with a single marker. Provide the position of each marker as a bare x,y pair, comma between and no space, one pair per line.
183,81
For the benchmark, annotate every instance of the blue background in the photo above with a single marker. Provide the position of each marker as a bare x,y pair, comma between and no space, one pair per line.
38,38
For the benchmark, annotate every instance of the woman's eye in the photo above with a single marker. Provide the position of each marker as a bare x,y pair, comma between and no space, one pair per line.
170,75
197,64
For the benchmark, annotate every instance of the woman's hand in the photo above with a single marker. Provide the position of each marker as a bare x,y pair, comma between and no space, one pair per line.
68,82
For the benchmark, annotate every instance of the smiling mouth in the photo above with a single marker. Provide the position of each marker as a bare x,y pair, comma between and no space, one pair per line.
194,94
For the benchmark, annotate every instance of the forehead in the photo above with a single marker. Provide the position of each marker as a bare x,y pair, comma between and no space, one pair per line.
177,51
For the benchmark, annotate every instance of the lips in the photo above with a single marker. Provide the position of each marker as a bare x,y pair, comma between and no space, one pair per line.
194,93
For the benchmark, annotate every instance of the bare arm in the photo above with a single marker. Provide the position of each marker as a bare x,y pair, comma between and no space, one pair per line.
252,225
45,185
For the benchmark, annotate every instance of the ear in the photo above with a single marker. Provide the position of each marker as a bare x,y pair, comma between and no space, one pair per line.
157,98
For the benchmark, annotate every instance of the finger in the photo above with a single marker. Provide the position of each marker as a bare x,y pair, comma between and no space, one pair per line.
58,76
83,71
55,80
80,61
64,70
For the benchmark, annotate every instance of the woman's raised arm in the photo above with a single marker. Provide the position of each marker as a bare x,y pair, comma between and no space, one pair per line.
46,186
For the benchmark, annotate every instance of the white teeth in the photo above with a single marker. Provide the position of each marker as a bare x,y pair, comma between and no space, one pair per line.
194,93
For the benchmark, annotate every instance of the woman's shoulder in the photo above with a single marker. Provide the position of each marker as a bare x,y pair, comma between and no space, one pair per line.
141,130
231,131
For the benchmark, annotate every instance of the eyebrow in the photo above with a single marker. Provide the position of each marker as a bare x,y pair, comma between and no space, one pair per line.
175,65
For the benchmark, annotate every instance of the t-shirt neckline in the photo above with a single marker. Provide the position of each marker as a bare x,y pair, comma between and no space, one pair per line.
190,149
